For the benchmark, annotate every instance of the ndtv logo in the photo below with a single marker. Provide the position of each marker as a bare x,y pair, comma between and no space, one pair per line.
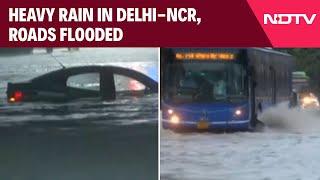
288,18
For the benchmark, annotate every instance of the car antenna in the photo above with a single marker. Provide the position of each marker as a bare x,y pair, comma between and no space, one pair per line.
55,58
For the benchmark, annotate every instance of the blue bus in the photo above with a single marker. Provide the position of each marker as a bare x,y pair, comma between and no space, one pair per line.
221,88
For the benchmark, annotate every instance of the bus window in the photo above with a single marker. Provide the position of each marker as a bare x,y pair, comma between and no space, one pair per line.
194,82
220,86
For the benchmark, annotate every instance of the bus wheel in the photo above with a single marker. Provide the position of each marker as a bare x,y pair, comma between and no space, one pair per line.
253,121
256,124
260,126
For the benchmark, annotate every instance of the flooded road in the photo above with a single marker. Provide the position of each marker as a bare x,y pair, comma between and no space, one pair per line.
82,139
288,148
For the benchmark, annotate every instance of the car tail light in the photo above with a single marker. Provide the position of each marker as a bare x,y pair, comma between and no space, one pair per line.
17,96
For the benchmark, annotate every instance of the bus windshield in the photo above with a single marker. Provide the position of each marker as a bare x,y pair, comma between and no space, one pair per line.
190,82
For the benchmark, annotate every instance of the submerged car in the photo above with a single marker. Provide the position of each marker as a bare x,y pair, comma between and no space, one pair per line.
105,82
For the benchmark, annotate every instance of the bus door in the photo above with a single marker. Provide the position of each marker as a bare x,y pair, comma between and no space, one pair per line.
273,85
252,95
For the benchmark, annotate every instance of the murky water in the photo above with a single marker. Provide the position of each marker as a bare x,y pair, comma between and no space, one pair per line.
288,148
82,139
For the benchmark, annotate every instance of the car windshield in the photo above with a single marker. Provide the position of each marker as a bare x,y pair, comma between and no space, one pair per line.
205,82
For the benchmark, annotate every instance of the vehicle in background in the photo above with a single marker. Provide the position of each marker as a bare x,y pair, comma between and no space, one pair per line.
50,50
15,51
304,96
300,80
308,101
221,89
305,100
106,82
25,51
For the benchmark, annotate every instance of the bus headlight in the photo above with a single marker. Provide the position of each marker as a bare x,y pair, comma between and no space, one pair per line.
174,119
238,112
170,111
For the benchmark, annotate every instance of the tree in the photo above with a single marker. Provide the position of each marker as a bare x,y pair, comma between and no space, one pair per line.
308,60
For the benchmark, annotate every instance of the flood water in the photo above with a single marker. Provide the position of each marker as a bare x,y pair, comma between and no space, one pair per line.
287,148
82,139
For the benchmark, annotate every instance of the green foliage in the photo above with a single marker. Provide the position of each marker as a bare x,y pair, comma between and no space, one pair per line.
308,60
